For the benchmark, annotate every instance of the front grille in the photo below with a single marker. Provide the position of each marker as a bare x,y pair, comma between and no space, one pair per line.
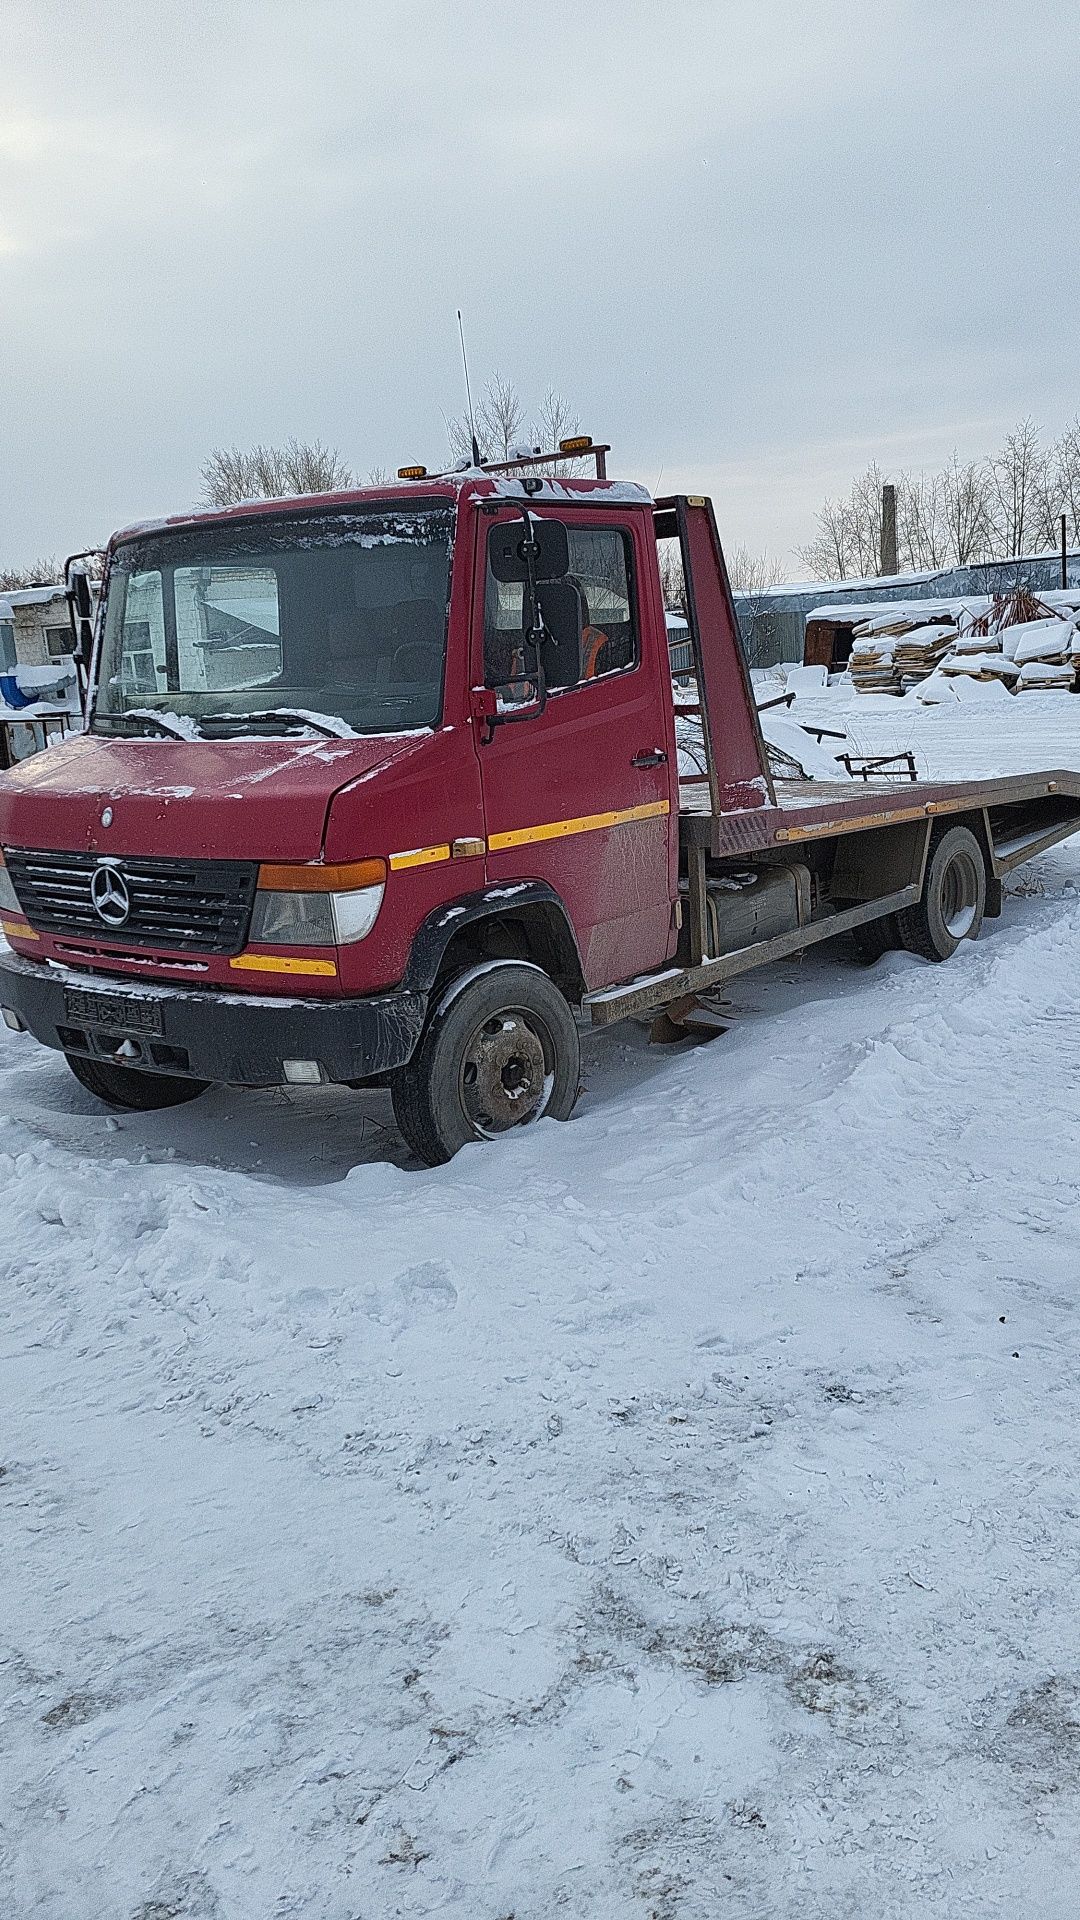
182,906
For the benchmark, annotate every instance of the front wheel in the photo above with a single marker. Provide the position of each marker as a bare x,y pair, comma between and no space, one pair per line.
499,1051
131,1091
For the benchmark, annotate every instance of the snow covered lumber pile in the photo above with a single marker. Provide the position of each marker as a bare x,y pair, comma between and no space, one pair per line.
918,652
984,665
872,666
895,651
968,649
1022,642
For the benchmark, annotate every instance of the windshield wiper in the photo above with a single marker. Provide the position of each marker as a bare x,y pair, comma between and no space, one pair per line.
271,716
142,721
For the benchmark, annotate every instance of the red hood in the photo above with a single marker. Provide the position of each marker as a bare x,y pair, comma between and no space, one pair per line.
224,800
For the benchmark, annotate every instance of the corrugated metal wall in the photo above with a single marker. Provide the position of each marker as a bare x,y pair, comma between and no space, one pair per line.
772,624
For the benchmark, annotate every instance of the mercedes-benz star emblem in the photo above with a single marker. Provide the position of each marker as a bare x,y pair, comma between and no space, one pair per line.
109,896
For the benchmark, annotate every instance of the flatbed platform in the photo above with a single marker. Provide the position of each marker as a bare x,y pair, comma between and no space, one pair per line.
821,809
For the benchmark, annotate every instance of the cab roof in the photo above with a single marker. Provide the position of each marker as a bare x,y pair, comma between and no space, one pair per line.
472,482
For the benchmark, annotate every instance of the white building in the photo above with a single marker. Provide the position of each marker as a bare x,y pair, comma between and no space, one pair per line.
34,627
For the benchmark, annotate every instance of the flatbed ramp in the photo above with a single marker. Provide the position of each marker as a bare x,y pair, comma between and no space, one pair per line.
824,809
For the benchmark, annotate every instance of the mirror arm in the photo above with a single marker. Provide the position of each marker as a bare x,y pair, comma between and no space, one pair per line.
536,631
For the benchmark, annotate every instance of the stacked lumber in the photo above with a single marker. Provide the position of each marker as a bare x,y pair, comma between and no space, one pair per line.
872,666
986,665
1044,676
966,650
893,652
918,651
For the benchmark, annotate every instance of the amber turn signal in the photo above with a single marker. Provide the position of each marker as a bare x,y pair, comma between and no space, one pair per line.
319,879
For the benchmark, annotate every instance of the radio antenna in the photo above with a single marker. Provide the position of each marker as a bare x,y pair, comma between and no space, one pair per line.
468,391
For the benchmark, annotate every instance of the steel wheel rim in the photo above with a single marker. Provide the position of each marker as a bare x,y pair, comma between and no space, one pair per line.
507,1073
960,895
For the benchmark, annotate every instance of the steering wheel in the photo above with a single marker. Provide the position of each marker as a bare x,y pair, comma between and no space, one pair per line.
415,661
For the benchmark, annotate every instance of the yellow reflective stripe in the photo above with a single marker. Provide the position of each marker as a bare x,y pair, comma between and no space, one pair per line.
590,823
281,963
17,930
524,836
419,857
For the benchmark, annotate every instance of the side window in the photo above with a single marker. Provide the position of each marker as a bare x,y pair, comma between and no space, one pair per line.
58,643
601,574
142,658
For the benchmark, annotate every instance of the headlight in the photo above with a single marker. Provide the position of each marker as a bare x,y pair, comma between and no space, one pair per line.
314,906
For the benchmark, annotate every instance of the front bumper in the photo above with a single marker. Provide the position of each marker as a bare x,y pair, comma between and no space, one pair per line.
233,1039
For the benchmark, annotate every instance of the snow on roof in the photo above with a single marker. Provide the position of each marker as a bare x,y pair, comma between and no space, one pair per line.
432,487
875,582
921,610
510,485
33,596
870,581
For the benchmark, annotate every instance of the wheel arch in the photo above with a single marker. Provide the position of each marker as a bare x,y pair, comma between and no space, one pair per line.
526,921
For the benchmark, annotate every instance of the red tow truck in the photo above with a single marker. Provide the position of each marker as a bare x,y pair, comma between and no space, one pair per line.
383,787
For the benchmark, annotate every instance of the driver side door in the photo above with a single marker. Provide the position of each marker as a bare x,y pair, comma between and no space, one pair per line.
581,795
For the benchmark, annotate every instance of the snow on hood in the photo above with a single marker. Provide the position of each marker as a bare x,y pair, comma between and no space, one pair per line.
238,799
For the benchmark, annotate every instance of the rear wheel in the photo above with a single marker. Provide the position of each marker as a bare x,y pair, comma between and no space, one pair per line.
130,1091
953,897
500,1051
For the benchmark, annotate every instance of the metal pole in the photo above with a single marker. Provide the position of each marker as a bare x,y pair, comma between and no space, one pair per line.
1064,556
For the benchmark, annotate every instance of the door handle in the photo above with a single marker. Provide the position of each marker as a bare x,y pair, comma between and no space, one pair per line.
653,757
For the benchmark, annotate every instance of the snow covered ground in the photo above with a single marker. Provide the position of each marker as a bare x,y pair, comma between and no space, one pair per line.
673,1514
1003,733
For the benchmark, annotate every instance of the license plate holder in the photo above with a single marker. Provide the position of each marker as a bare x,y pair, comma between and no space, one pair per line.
112,1012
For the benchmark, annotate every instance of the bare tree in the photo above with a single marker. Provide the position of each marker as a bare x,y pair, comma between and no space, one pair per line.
40,573
1017,482
967,511
750,572
499,419
922,523
972,511
830,554
1058,488
231,474
672,581
502,429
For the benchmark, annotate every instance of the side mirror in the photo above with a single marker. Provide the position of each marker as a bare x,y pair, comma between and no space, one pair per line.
507,555
81,612
80,594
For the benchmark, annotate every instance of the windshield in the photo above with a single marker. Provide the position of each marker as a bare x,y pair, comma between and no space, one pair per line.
332,623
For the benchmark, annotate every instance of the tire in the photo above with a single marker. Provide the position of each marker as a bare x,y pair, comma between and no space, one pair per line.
877,937
953,896
499,1051
131,1091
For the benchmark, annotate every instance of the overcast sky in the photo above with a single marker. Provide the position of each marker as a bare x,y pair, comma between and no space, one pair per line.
754,244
